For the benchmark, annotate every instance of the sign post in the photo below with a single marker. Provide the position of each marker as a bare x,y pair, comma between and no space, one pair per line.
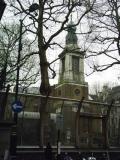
17,107
59,122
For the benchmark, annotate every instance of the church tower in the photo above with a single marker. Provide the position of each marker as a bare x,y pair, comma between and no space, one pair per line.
71,82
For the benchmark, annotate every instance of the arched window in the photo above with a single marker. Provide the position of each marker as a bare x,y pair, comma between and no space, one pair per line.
63,64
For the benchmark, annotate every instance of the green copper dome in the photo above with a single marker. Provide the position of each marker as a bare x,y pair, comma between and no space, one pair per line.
71,37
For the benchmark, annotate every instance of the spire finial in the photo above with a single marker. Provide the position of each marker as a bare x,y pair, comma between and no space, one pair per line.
71,37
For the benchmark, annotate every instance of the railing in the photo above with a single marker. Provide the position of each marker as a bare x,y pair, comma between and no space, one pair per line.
92,127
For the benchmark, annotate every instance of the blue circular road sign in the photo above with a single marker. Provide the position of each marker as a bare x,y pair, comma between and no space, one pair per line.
17,106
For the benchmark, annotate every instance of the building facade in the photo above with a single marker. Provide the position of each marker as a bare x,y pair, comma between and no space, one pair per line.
80,124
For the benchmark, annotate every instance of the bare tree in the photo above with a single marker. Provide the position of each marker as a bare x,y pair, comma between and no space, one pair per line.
9,37
101,93
8,57
48,20
104,41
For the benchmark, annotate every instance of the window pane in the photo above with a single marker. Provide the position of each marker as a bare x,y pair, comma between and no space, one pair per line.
75,64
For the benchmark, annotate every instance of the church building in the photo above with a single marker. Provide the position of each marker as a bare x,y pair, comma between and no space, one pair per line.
81,123
72,85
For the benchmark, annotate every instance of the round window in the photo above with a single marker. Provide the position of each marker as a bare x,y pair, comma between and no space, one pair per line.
77,92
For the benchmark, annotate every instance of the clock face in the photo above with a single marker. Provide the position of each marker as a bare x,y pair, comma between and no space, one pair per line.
77,92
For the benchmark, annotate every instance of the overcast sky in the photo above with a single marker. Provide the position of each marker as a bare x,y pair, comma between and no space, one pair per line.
109,76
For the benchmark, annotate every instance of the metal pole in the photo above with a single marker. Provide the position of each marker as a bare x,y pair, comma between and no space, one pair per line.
77,122
13,142
58,145
106,123
76,100
18,67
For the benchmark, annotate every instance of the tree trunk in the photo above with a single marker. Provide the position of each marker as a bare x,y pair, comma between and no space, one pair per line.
44,90
3,102
77,121
45,86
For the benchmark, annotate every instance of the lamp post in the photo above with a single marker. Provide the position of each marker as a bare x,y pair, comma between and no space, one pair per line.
13,142
32,8
18,69
59,122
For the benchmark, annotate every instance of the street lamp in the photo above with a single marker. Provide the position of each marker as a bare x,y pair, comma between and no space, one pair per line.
32,8
14,135
2,8
13,141
18,68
